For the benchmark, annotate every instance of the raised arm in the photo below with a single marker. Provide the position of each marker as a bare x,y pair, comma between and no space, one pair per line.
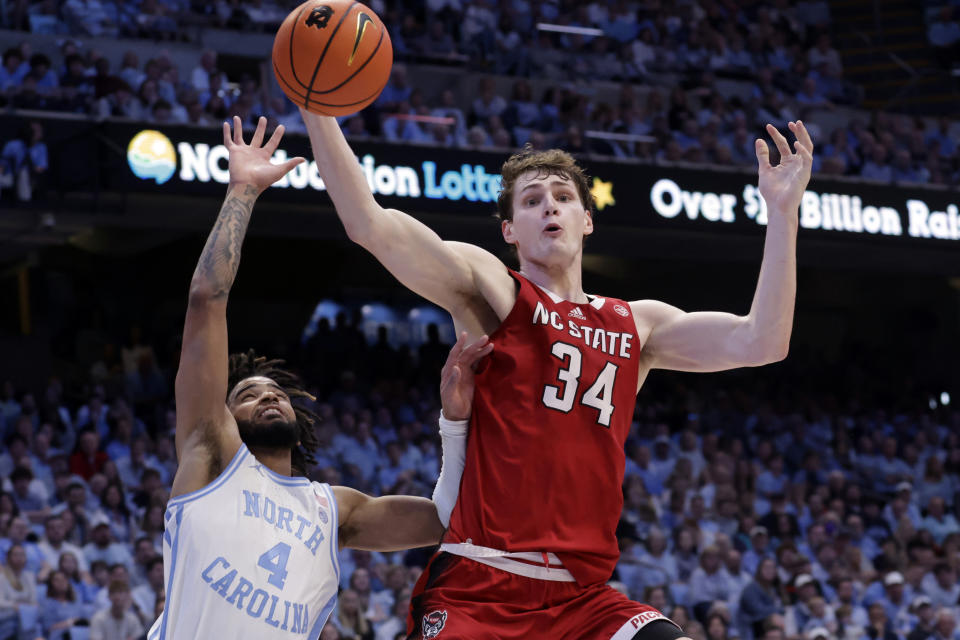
206,433
714,341
391,523
442,272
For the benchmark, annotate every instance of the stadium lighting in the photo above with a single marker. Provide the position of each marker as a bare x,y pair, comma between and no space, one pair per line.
933,403
559,28
944,398
425,119
620,137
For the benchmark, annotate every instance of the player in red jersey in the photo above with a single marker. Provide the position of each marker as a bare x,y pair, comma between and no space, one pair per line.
532,540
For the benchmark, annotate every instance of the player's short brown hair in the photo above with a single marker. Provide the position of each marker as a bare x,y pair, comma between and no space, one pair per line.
552,162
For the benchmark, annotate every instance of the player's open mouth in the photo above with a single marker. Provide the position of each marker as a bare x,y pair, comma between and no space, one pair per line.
553,229
270,412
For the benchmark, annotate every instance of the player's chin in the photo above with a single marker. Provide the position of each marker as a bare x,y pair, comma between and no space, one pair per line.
275,432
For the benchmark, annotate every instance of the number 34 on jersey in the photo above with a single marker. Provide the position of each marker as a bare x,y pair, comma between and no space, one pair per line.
570,352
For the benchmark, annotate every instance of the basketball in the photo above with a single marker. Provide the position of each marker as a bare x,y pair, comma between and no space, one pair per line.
332,57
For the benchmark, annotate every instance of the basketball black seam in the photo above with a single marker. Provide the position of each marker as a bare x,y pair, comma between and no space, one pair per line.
316,69
293,31
296,94
353,75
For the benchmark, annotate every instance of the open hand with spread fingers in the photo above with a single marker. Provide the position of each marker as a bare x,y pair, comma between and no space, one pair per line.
782,186
250,163
457,379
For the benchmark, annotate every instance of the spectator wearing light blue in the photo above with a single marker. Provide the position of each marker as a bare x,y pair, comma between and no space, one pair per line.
103,547
934,482
772,480
60,607
91,17
29,494
904,170
948,145
12,70
392,473
639,464
26,155
816,537
857,536
902,505
47,79
16,536
428,469
657,564
739,579
396,91
710,581
896,596
759,550
846,595
938,522
811,95
944,31
798,613
941,585
876,167
663,461
361,453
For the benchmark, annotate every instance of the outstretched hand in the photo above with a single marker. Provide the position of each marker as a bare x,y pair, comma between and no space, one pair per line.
250,163
457,379
782,186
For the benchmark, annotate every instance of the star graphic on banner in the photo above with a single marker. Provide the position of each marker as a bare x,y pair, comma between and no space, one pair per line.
602,193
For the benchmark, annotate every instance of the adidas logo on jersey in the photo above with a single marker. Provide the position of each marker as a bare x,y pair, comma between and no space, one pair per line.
576,313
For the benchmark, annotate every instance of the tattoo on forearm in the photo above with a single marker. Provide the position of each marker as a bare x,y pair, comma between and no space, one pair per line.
220,259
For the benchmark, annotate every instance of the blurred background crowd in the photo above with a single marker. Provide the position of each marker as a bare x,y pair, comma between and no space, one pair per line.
814,502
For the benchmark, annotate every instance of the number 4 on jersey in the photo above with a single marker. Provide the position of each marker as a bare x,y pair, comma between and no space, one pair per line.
275,560
600,394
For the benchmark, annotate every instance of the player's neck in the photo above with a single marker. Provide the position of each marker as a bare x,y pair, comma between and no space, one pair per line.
566,282
277,460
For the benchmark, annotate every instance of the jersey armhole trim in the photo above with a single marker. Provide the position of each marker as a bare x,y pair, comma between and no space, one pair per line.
225,475
520,282
335,543
322,618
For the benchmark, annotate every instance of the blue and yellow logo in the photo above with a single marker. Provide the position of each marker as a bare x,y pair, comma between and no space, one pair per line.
150,154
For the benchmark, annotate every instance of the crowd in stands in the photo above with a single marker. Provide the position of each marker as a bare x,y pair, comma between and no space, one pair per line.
781,52
943,31
743,517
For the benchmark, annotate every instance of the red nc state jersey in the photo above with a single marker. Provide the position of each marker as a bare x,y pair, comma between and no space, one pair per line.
551,413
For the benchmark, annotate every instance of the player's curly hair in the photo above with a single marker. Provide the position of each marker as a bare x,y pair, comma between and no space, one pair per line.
552,162
248,365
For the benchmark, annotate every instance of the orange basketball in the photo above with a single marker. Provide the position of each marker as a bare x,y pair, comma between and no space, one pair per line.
332,57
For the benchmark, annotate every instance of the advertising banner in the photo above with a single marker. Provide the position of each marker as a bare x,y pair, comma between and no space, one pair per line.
183,160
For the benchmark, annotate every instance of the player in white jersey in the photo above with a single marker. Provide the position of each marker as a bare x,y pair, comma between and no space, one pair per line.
250,550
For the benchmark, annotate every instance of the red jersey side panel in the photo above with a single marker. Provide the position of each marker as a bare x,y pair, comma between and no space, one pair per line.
551,413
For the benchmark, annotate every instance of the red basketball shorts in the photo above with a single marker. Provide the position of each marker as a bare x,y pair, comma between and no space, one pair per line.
457,598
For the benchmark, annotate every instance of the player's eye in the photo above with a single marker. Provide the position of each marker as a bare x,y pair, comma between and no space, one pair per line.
563,197
531,202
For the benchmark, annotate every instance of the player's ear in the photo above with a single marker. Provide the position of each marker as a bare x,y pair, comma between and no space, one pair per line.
588,222
506,228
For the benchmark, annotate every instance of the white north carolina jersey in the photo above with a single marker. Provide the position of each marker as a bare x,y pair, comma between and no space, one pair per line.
251,555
